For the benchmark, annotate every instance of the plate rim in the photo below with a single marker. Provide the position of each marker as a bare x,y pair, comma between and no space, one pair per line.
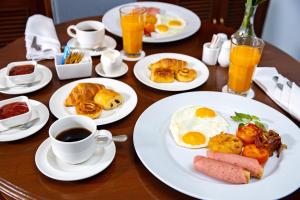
174,89
168,39
193,194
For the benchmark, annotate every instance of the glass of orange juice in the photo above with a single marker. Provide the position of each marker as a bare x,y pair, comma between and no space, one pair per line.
245,53
132,24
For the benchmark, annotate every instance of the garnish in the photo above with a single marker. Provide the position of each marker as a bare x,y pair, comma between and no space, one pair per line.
245,119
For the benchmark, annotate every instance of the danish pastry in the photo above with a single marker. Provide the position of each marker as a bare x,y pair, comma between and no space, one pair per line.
108,99
89,109
185,74
162,75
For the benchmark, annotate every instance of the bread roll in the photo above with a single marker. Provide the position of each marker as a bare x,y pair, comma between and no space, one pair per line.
108,99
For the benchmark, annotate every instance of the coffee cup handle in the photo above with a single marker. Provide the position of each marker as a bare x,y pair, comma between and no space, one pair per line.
70,32
103,137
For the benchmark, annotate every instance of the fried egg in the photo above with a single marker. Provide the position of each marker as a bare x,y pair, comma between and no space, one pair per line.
192,126
175,22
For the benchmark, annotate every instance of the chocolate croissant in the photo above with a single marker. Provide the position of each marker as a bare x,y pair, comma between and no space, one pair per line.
108,99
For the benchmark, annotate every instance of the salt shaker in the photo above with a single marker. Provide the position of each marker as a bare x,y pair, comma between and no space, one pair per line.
223,58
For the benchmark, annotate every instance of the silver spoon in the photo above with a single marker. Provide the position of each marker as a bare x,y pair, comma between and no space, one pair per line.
117,138
279,85
25,126
20,85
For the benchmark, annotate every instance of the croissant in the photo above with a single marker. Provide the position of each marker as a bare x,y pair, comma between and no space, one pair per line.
89,109
185,74
108,99
173,64
83,92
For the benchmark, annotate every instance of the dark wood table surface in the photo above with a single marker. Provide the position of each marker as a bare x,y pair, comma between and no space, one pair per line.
126,177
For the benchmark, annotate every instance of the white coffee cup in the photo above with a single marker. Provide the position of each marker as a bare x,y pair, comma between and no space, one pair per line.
78,151
89,34
111,61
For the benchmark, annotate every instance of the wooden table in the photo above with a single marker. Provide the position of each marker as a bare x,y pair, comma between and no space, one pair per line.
126,177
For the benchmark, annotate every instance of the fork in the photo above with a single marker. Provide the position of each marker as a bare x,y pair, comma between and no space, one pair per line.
20,85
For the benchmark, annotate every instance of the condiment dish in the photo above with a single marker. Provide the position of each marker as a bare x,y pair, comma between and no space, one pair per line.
21,78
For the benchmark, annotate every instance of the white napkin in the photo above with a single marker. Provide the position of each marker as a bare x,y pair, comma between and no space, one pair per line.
42,29
288,97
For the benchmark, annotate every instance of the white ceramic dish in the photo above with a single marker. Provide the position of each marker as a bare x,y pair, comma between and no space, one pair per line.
38,110
173,164
123,70
54,168
142,72
108,43
25,78
56,103
69,71
18,119
111,20
43,75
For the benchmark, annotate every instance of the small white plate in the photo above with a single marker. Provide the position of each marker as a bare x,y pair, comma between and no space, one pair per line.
123,70
142,72
109,43
43,74
59,110
52,167
111,20
38,110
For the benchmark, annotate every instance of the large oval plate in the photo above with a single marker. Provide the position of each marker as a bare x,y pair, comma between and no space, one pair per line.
111,20
173,164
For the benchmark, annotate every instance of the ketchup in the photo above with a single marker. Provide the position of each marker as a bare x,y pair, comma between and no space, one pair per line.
13,109
21,70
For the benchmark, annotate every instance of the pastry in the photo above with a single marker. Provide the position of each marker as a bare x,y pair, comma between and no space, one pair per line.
170,63
89,109
82,92
162,75
108,99
185,74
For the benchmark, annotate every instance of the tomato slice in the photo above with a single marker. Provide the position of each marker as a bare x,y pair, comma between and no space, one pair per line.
252,151
248,133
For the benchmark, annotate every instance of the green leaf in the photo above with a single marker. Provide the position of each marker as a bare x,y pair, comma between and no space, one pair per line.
260,125
241,125
255,118
236,118
244,116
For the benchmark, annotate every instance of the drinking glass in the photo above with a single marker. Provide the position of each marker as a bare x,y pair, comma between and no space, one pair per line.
132,24
245,54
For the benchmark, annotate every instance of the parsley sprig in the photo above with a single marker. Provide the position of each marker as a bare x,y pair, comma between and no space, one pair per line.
245,119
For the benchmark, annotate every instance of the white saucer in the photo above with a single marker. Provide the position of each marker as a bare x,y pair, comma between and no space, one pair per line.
43,74
125,57
250,94
108,42
39,110
123,70
52,167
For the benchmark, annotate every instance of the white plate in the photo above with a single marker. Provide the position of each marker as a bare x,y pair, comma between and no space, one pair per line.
173,164
43,74
142,72
108,42
111,20
52,167
56,103
39,110
123,70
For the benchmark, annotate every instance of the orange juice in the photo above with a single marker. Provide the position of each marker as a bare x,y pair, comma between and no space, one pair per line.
132,32
243,60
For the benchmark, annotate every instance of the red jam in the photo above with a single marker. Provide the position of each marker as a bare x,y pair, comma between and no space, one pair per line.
21,70
13,109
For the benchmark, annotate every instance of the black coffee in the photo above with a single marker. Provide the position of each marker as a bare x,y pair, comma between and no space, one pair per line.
90,30
73,135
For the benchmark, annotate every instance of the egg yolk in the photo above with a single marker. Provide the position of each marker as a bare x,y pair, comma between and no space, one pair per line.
162,28
193,138
205,113
174,23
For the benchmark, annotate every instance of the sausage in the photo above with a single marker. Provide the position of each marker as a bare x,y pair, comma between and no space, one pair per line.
221,170
250,164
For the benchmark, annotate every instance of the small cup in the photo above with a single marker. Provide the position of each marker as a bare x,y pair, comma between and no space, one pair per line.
89,34
78,151
210,55
25,78
111,61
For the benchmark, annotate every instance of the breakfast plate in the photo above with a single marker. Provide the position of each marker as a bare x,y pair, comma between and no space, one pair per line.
111,20
108,43
59,110
44,76
49,165
39,110
123,70
142,72
173,164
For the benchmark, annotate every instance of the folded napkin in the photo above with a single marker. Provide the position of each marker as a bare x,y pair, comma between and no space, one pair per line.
276,87
41,38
